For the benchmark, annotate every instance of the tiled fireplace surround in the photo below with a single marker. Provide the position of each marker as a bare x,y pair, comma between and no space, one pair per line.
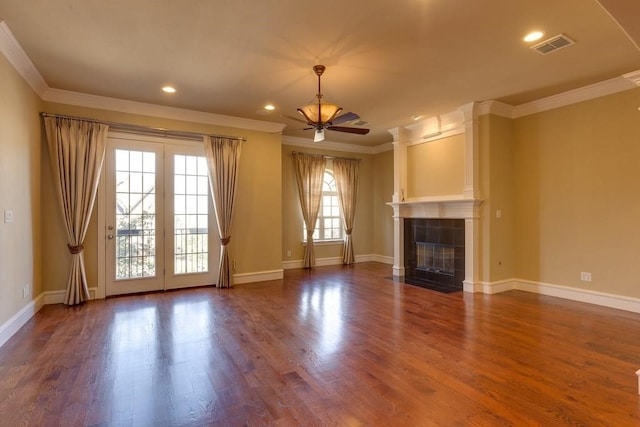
434,252
464,206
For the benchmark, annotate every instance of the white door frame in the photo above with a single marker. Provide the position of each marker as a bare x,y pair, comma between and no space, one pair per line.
99,292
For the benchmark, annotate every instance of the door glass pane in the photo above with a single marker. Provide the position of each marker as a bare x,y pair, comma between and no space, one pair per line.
191,215
135,214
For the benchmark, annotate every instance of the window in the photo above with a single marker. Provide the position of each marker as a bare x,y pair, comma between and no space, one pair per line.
329,223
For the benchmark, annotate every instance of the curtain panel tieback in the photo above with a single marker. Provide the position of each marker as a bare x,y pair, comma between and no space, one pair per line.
76,150
75,250
346,173
223,156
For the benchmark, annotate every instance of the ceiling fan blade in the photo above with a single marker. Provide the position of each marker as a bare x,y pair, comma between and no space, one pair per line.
294,118
318,135
346,117
359,131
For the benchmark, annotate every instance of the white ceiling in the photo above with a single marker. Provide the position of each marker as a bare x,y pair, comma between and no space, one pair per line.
386,61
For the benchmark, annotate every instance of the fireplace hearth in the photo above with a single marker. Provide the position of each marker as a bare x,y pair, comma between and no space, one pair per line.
434,253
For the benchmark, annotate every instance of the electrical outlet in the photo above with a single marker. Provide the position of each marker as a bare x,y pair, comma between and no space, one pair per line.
25,291
289,253
585,276
8,216
235,265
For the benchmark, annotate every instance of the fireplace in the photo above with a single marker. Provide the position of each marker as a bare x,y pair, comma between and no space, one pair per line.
458,200
434,253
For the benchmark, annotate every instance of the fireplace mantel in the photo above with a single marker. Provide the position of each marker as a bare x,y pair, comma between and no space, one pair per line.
435,207
453,207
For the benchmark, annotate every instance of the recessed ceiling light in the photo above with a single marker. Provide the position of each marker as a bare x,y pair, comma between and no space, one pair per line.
169,89
533,36
269,107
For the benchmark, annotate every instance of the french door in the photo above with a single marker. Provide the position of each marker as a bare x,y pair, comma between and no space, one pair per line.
161,233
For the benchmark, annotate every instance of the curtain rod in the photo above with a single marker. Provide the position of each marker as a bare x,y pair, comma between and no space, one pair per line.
145,129
326,157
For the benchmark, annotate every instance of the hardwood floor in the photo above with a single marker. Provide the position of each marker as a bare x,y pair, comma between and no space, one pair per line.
331,346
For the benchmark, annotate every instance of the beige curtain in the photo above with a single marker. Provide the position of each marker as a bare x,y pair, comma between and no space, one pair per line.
346,175
223,156
309,173
76,148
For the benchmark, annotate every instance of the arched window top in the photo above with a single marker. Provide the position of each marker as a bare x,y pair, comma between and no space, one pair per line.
329,222
328,182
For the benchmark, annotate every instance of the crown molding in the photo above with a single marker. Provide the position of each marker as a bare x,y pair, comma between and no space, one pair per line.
335,146
141,108
596,90
497,108
633,77
17,57
382,148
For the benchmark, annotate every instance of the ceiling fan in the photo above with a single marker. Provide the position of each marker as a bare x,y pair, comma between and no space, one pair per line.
320,116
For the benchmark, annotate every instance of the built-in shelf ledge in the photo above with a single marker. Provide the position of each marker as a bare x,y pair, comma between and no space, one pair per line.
437,207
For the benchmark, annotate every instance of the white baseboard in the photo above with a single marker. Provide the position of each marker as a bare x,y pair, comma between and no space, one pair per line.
258,276
375,258
489,287
619,302
13,325
604,299
291,265
320,262
57,297
54,297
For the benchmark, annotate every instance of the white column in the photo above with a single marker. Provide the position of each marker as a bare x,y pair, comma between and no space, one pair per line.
471,154
471,253
471,191
398,244
400,136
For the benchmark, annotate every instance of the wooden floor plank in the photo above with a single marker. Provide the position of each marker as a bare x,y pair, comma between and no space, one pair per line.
331,346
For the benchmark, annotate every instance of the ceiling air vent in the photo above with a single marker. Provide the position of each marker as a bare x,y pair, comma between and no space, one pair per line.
552,44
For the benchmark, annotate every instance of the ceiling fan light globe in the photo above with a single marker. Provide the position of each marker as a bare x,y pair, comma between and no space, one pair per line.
319,113
318,135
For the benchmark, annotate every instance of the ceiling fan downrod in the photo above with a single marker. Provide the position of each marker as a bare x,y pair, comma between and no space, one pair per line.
319,70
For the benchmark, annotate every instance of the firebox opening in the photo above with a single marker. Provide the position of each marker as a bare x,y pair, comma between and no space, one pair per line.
435,258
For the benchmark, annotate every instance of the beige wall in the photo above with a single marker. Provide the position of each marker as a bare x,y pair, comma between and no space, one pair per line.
497,261
20,135
382,194
576,203
436,168
257,223
292,216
